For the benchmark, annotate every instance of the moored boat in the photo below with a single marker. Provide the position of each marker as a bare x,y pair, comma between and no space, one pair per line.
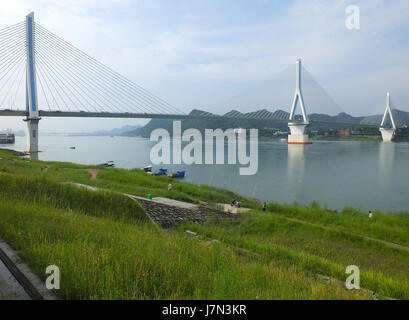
161,172
179,174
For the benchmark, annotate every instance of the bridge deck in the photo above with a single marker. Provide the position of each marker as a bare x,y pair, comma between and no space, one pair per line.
84,114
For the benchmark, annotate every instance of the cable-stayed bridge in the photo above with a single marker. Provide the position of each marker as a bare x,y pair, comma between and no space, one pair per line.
52,78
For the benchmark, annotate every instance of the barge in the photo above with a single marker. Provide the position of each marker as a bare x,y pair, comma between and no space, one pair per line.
7,138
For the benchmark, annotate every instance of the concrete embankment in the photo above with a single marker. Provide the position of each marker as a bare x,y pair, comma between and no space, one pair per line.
17,280
169,213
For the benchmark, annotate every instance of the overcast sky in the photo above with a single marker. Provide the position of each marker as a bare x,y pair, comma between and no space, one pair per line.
197,54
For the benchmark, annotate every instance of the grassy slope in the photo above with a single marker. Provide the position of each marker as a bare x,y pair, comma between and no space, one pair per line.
128,181
42,191
389,227
310,248
108,259
110,252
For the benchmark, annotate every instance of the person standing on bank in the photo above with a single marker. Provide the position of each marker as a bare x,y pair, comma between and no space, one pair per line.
264,207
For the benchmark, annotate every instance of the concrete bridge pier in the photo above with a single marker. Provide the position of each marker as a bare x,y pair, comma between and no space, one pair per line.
32,135
387,134
297,135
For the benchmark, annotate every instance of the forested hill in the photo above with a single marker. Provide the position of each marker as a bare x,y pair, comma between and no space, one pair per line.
401,118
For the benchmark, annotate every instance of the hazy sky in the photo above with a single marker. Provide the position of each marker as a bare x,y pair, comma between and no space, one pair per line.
197,54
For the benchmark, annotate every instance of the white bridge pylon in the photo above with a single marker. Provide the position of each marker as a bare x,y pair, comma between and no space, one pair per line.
297,128
31,87
387,132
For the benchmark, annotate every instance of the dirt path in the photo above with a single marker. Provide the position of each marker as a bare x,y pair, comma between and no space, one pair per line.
242,251
93,172
388,243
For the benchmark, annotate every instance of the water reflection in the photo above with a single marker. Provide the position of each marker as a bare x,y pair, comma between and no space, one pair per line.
386,164
296,169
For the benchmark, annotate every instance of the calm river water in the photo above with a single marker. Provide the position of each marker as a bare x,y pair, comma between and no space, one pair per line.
362,174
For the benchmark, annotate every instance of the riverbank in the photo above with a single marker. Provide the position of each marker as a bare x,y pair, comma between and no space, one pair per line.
375,171
107,247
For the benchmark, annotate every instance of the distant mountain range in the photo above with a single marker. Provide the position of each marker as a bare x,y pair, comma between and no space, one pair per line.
19,133
114,132
401,118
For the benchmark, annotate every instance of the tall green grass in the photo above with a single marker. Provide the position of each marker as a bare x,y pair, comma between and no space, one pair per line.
133,181
141,183
390,227
308,248
106,248
103,258
44,191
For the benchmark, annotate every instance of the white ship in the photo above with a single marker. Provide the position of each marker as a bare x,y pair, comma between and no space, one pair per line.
7,138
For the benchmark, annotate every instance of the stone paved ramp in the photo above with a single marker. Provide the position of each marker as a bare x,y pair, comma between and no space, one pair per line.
174,203
169,202
233,209
169,213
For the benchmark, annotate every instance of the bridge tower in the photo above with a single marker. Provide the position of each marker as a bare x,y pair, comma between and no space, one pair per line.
297,127
33,116
387,132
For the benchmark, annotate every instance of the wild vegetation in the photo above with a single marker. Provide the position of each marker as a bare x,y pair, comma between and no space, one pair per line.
316,249
107,248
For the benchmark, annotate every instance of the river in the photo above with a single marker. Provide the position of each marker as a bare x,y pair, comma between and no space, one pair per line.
362,174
